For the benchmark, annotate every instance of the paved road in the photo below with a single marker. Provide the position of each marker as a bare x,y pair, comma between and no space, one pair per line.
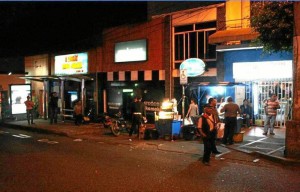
37,162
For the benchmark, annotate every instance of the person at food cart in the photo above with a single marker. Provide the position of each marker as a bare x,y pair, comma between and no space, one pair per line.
212,102
193,111
29,110
206,126
271,105
246,111
231,110
223,102
138,112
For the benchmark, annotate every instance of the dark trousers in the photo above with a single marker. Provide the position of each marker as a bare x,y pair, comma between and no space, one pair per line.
213,146
230,125
136,122
53,115
78,119
29,113
209,142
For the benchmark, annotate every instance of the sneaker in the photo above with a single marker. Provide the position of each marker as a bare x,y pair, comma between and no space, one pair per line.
217,152
264,133
272,133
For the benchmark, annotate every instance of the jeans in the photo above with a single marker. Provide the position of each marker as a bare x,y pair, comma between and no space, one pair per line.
29,116
53,115
269,122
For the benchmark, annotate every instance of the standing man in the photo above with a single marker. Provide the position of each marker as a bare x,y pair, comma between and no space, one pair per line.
138,112
206,126
53,107
271,106
29,110
212,102
231,110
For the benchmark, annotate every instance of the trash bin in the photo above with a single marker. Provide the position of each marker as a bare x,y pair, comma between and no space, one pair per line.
176,127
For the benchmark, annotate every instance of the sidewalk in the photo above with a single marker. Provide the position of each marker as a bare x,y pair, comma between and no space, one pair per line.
270,147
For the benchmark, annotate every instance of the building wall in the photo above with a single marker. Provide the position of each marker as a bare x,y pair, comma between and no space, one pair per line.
7,80
153,31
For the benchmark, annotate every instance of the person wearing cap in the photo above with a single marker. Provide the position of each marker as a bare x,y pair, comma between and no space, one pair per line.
231,110
138,112
29,110
207,125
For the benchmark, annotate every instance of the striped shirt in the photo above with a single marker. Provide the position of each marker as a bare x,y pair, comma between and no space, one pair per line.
271,107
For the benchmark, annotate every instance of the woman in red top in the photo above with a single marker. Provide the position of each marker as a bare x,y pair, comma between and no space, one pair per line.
29,110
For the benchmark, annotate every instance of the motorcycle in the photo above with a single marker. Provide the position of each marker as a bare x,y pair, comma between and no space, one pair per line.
116,124
119,125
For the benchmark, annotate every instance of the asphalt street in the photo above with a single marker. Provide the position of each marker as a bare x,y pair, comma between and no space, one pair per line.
31,161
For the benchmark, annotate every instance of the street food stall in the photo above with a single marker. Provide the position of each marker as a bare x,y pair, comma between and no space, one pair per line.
167,122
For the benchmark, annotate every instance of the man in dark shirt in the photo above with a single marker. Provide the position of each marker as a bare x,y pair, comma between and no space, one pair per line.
138,112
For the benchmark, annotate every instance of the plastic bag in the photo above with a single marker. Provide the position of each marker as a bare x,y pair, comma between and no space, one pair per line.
187,121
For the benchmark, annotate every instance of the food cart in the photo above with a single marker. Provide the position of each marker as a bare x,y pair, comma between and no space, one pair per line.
167,122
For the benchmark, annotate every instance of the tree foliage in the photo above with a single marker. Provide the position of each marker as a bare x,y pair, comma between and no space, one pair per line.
274,21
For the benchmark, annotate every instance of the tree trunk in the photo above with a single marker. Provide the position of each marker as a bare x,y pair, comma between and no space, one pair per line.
293,127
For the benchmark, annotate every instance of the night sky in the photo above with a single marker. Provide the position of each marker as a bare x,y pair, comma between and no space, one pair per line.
29,28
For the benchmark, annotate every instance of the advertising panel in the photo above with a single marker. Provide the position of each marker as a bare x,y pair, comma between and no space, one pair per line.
71,64
131,51
18,95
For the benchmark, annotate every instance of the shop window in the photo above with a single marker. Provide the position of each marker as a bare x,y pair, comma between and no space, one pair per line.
201,45
193,43
206,25
179,47
183,28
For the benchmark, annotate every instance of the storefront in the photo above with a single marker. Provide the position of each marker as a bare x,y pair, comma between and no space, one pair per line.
119,89
263,74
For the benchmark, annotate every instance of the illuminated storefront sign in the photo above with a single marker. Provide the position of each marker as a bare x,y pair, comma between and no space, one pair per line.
194,67
18,95
131,51
71,64
263,70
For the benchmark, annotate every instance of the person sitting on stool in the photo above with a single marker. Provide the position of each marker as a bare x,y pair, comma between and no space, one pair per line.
246,111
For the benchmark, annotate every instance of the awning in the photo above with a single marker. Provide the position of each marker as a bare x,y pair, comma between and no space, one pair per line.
244,34
42,78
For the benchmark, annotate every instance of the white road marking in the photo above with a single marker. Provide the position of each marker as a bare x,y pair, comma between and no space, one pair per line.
52,142
43,140
3,132
47,141
22,136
